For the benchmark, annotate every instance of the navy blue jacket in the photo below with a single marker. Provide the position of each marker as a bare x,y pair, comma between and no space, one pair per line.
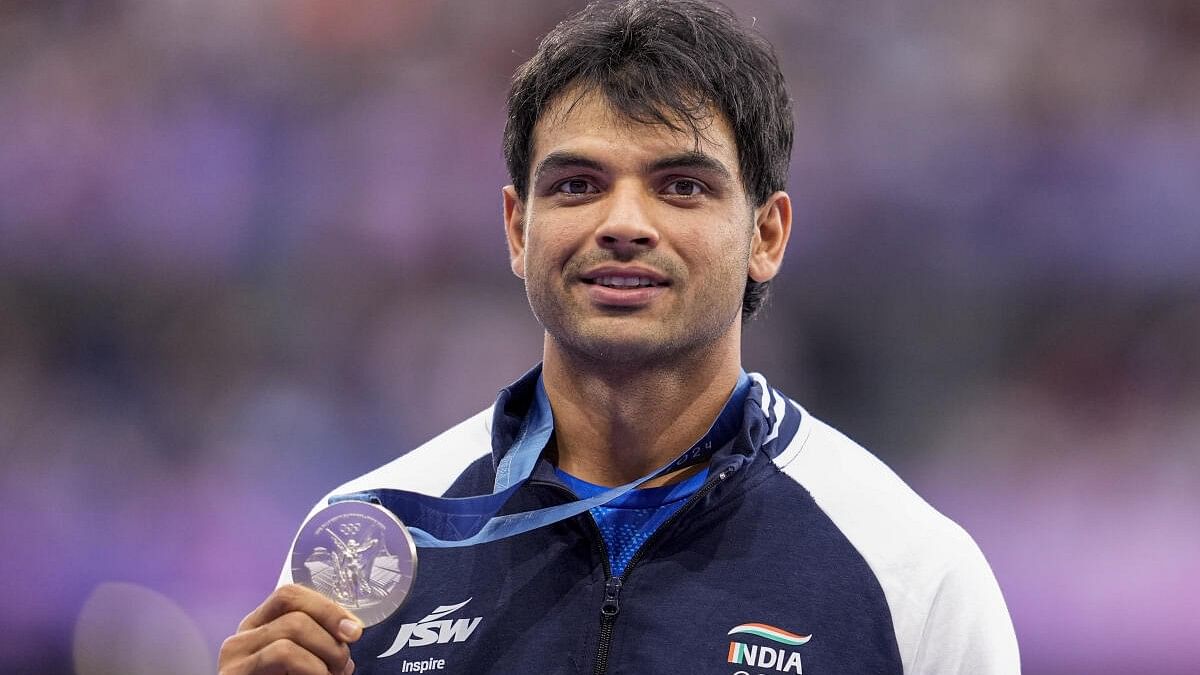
802,553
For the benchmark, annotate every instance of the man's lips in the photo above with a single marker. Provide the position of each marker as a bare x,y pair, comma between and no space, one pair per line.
619,286
615,276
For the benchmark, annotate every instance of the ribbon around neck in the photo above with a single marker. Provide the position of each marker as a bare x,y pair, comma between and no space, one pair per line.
450,522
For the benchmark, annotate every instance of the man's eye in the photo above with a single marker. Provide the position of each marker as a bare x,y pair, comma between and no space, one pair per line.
685,187
575,186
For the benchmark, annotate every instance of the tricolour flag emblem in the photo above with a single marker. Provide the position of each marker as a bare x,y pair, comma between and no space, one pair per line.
771,633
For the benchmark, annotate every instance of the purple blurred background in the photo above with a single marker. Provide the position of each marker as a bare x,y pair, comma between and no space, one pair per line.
249,250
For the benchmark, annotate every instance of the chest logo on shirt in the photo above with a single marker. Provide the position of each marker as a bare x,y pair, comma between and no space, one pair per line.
434,629
779,658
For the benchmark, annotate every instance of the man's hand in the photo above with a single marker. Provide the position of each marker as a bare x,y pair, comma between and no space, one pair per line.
296,631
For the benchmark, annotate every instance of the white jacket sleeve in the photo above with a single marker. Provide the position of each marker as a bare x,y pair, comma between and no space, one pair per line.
968,629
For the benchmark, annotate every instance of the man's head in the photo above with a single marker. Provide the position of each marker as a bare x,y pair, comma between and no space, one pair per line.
669,63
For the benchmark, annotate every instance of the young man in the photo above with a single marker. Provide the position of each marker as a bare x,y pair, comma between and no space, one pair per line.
648,145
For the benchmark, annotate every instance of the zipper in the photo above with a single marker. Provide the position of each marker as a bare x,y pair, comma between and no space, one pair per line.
612,588
608,617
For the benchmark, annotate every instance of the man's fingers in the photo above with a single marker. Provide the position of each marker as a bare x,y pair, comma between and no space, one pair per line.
302,630
264,648
336,620
296,630
288,658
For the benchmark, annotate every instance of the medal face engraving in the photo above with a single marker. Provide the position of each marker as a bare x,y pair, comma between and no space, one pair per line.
359,555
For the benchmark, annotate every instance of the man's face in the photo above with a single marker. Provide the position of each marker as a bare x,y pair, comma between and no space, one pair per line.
634,241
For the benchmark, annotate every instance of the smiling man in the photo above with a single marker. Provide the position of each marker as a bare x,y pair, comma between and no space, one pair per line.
648,146
636,242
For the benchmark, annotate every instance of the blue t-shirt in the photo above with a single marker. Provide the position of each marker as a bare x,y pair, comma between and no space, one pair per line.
628,521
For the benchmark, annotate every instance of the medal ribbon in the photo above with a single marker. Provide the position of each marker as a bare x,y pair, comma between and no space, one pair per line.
448,522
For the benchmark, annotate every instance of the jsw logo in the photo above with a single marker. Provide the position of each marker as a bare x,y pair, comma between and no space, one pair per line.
434,629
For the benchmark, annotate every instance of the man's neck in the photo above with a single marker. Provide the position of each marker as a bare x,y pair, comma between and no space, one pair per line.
613,426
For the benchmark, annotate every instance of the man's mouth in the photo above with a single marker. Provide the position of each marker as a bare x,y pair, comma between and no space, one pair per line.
623,282
624,276
620,286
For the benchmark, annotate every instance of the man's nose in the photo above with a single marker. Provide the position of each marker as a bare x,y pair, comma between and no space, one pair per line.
627,227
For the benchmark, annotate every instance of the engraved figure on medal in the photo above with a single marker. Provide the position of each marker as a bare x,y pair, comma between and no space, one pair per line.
347,572
359,555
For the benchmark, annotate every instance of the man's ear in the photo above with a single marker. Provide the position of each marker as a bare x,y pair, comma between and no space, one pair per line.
514,229
772,227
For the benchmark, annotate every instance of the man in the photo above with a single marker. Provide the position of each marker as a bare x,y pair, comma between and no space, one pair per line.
648,146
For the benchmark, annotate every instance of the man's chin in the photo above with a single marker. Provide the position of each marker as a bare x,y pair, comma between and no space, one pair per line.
621,348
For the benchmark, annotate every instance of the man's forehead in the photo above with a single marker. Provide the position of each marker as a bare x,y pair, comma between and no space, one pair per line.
579,117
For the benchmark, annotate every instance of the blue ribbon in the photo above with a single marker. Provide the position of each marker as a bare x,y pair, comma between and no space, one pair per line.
448,522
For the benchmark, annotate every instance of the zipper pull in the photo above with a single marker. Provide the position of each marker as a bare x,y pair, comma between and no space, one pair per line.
612,589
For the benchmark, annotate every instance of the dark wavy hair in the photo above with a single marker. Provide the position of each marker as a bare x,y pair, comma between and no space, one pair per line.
668,62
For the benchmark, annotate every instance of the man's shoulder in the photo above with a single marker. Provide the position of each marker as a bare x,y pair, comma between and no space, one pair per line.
933,574
863,496
430,468
433,466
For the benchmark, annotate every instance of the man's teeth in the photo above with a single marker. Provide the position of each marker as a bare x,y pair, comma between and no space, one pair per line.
624,282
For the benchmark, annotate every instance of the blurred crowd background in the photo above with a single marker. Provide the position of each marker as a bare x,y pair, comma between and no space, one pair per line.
249,250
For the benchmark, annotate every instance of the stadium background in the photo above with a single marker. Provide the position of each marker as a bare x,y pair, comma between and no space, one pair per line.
251,249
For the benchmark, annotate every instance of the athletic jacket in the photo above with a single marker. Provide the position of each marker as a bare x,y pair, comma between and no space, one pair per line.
802,553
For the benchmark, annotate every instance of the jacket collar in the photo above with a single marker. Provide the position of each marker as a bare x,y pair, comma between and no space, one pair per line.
756,418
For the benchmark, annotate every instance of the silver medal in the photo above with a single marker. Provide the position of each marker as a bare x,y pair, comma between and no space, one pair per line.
359,555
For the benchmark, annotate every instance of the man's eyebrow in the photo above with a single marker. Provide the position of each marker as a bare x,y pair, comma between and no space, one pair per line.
562,159
690,160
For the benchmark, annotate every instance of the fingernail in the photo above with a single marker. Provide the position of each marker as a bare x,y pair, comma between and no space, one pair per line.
349,667
349,629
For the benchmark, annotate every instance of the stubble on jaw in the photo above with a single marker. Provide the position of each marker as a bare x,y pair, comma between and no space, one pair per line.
666,344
